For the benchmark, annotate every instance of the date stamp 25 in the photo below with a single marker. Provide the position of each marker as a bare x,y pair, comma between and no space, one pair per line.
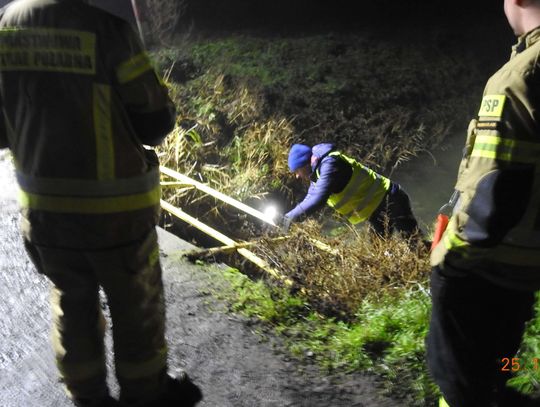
516,364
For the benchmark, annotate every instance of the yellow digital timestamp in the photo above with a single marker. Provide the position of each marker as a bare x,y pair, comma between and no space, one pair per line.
517,364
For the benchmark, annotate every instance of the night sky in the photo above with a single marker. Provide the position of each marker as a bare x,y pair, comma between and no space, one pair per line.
250,14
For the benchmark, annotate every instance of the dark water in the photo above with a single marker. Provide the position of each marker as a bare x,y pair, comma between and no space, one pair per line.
429,179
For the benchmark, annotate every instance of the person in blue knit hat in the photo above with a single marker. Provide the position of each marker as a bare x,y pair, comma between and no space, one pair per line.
351,188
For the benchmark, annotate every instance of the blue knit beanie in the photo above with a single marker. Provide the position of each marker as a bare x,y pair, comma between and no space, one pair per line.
299,156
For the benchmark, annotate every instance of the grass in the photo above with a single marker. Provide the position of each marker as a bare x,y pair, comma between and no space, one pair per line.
241,102
384,337
527,379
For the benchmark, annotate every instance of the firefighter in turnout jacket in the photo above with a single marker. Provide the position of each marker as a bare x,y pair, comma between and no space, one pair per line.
486,268
79,98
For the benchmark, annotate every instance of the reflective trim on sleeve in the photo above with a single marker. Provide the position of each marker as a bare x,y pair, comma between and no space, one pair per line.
103,132
90,205
498,148
88,188
130,69
503,253
453,242
139,370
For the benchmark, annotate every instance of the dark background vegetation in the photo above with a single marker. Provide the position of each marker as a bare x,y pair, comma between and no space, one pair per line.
367,75
479,25
238,14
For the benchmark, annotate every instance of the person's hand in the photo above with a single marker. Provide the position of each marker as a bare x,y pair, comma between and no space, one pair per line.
284,224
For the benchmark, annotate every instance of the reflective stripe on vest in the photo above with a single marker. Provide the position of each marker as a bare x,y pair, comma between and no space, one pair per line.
90,205
498,148
453,242
362,194
502,253
89,196
132,68
521,246
443,403
89,187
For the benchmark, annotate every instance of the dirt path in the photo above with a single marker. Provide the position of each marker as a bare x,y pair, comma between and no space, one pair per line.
219,350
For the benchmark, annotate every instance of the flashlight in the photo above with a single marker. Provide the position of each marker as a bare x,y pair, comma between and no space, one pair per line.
270,212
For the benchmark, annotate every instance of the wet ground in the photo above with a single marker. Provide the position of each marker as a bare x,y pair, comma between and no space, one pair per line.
221,351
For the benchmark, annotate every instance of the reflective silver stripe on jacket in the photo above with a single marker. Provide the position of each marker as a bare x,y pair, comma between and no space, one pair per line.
89,188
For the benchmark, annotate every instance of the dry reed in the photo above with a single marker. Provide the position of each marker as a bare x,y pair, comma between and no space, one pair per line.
362,265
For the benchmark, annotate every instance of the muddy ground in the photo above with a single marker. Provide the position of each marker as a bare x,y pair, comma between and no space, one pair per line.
222,352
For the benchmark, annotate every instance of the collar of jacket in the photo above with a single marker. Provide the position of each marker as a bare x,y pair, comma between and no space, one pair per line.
318,162
526,40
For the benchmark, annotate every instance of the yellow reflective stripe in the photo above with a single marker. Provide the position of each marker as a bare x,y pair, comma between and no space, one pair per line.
443,403
153,257
498,148
138,370
88,187
47,49
81,371
133,67
90,205
453,242
497,140
103,132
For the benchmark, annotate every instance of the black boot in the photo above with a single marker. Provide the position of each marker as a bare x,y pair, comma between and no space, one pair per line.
181,392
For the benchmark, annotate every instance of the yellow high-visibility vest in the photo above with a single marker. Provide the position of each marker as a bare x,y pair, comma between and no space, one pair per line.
363,193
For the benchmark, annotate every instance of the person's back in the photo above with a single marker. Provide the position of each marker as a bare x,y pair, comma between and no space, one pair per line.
72,80
79,98
485,269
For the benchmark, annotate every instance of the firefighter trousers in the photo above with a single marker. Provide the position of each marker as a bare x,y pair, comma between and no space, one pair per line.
475,331
131,279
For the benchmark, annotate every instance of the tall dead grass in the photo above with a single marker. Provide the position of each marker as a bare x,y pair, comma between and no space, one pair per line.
224,142
361,265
